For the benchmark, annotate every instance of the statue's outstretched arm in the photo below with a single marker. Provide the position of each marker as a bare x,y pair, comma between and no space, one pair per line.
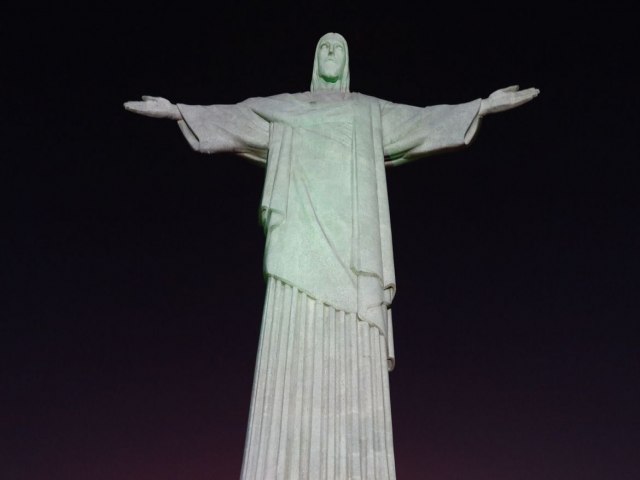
506,99
156,107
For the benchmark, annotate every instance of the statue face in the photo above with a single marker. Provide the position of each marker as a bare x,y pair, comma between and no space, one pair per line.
331,59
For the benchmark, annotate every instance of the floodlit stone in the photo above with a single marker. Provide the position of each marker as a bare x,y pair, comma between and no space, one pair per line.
320,405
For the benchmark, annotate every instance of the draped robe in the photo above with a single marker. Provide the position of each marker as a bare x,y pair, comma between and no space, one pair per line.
324,206
320,406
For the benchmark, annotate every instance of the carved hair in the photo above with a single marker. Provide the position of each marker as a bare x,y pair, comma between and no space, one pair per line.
343,82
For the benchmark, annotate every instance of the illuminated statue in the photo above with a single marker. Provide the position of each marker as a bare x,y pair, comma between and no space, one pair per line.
320,405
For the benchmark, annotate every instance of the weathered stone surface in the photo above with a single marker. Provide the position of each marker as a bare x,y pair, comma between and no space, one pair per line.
320,404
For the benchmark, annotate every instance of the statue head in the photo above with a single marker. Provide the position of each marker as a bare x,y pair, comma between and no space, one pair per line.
331,64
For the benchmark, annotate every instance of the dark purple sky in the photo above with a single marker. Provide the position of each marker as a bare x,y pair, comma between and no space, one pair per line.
130,266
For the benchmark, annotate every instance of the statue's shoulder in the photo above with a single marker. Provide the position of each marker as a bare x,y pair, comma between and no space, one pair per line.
292,96
306,97
281,98
361,97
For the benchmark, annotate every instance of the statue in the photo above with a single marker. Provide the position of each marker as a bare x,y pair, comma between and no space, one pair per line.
320,406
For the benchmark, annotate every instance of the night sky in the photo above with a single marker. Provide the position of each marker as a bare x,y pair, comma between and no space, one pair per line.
131,283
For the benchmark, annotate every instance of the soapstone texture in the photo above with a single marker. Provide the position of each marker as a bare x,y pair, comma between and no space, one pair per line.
320,405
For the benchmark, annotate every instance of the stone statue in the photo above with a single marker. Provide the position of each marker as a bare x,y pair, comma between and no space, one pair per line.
320,404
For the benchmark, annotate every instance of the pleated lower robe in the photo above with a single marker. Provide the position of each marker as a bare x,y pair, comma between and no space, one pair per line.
320,406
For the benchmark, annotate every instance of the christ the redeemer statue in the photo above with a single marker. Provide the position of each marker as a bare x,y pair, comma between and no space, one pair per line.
320,404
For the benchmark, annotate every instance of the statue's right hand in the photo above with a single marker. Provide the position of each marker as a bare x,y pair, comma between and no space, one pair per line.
156,107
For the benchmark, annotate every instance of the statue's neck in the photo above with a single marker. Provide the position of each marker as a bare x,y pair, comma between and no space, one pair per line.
328,86
321,85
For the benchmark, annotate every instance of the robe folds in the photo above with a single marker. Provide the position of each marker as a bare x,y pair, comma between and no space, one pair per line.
320,406
324,206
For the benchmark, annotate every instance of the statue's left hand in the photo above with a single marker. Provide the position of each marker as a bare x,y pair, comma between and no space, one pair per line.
506,99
